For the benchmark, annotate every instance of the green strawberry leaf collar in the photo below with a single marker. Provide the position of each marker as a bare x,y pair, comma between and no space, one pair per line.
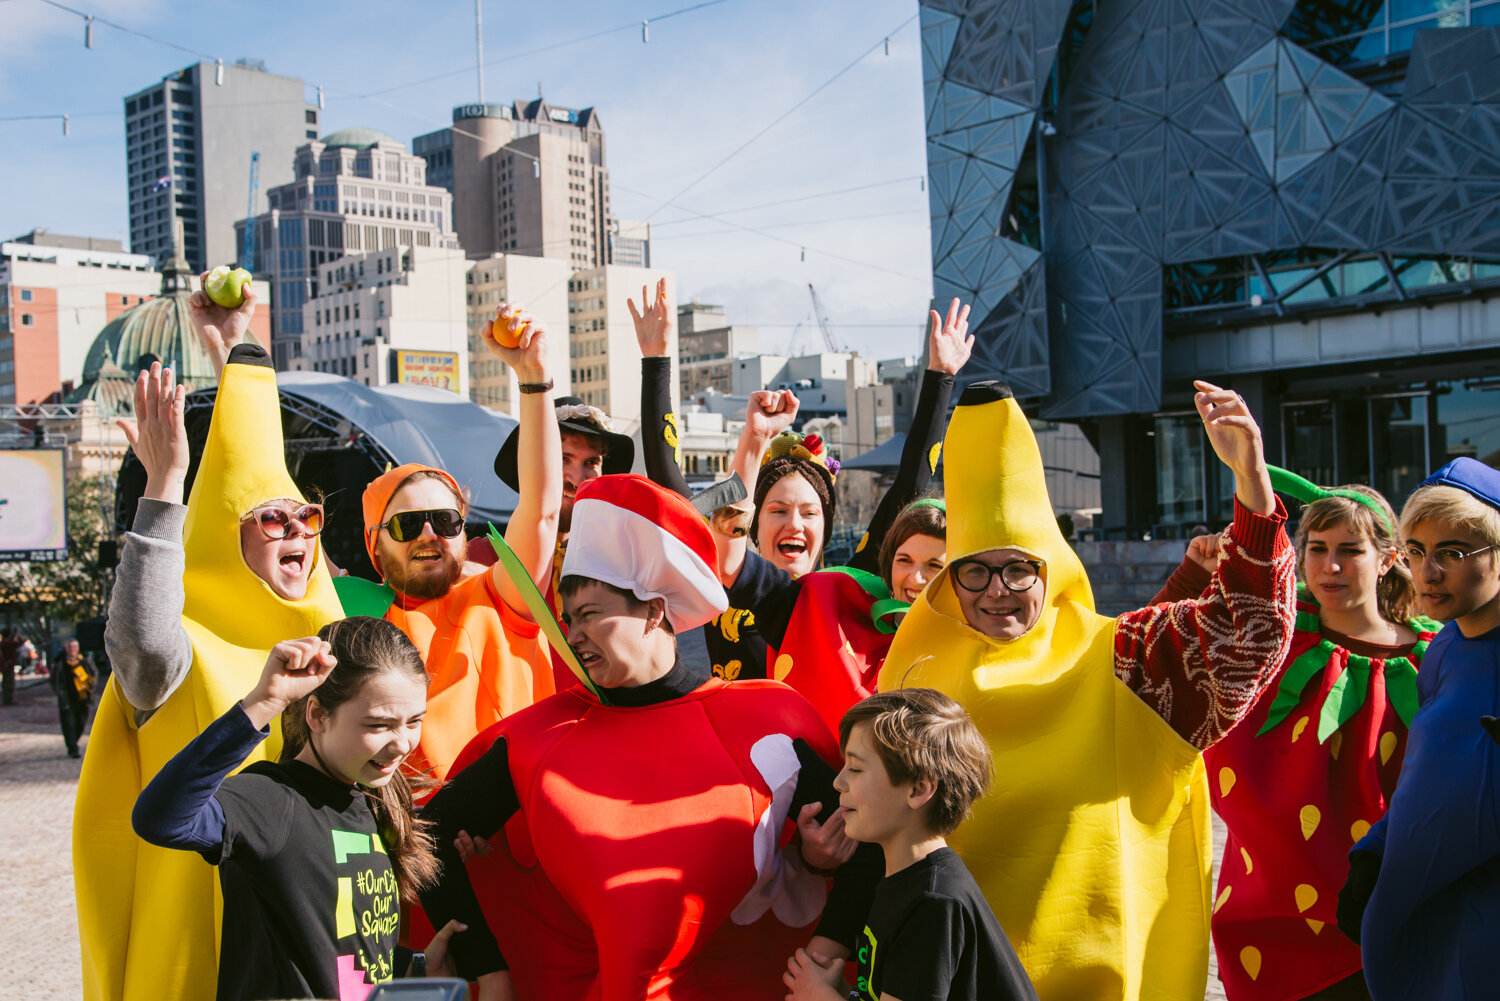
1349,690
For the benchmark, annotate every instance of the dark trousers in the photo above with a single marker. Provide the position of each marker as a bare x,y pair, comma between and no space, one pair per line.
73,715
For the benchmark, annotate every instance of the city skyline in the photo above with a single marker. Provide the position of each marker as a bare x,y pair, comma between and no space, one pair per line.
708,81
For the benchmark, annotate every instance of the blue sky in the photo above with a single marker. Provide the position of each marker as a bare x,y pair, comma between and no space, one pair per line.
707,81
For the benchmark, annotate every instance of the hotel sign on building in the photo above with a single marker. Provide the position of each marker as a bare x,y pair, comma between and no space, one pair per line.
426,368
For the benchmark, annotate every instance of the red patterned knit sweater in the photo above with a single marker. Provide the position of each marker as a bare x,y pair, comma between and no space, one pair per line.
1202,662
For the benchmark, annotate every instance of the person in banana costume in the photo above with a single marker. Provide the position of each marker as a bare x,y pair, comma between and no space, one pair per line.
1093,847
204,592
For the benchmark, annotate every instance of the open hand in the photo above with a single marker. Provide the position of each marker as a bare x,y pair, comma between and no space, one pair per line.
770,412
653,322
949,342
468,846
1235,436
219,328
157,435
825,846
294,669
529,356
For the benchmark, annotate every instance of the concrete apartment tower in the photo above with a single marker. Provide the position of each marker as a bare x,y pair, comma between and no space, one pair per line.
527,178
188,141
355,191
540,286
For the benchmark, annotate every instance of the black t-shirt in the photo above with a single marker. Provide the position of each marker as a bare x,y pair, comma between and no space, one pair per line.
301,851
931,936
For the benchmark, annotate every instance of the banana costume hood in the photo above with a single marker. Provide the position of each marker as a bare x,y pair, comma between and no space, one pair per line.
149,917
1093,846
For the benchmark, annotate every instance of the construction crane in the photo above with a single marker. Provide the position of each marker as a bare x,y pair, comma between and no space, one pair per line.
247,259
821,315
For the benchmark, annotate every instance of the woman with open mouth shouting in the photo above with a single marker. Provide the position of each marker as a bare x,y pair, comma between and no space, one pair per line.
834,626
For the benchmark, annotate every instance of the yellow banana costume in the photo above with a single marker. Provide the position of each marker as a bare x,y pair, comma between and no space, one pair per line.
148,917
1093,847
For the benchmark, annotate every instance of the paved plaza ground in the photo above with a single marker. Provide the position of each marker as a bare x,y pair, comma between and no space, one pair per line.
37,781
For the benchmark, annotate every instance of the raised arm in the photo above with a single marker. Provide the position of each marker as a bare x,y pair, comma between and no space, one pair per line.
220,329
659,430
1201,663
178,809
769,413
949,345
147,646
532,530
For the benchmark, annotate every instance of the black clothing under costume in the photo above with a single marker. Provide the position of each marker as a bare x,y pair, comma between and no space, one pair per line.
481,798
761,598
931,937
310,899
73,707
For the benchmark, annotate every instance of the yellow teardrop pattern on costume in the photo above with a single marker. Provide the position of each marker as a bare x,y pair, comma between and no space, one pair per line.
1297,730
1387,746
782,667
1310,817
1246,856
1314,924
1335,744
1226,780
1305,895
1250,960
1223,896
1358,829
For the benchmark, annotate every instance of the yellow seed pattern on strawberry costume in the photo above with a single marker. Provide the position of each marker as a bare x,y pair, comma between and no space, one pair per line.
1387,746
1359,829
1250,960
1226,781
782,667
1223,896
1246,856
1297,730
1334,744
1310,817
1306,896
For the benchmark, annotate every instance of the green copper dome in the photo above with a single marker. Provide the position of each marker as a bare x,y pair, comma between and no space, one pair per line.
357,138
159,329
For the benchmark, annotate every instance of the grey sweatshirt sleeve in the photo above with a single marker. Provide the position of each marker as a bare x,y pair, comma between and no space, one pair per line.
147,646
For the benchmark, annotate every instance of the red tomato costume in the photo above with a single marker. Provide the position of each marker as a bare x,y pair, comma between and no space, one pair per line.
638,830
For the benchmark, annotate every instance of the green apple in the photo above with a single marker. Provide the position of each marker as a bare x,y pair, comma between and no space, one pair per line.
226,286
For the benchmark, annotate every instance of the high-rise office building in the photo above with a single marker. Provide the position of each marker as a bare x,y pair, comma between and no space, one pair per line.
538,285
707,345
527,178
605,358
355,191
188,143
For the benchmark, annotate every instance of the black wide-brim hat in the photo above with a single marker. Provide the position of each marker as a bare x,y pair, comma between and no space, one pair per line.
580,418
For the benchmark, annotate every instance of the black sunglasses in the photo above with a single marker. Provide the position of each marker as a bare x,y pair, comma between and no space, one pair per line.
407,525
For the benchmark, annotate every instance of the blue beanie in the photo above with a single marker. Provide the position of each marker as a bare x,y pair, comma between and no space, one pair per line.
1470,476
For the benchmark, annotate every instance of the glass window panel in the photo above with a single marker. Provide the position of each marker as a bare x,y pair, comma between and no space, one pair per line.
1416,272
1363,277
1403,35
1309,440
1488,14
1371,46
1468,419
1483,269
1179,468
1405,10
1398,440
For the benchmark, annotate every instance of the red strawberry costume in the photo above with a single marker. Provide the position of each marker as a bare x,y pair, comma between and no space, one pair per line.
1297,783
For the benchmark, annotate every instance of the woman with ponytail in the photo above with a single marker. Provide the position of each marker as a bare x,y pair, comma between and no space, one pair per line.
1302,777
316,851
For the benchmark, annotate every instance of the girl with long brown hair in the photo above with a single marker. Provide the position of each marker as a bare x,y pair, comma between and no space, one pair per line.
315,851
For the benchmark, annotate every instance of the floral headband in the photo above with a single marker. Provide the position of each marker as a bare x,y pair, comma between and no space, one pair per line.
587,413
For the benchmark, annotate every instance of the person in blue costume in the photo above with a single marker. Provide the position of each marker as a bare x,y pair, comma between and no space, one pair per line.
1423,894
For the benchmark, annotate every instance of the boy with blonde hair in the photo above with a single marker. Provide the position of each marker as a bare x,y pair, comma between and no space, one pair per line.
913,765
1423,893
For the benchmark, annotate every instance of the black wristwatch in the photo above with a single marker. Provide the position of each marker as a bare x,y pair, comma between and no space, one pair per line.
535,387
418,967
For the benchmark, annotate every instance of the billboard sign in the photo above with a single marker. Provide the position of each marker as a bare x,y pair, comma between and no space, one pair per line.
426,368
33,506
